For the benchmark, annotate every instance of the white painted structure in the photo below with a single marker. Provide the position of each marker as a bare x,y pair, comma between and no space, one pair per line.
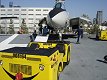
31,16
103,27
41,39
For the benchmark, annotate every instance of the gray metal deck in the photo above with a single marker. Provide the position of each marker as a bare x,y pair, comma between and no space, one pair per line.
84,64
3,37
16,40
84,56
21,39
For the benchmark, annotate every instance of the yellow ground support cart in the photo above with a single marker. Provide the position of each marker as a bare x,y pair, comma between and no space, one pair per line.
63,47
25,63
102,35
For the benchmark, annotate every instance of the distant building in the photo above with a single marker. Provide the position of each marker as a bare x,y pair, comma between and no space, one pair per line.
30,15
80,21
16,6
94,21
99,17
76,22
2,6
10,4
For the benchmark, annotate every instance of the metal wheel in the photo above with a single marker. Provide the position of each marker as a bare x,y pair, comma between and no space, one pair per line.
58,73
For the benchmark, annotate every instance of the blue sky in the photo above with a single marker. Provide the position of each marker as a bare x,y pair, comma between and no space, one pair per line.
74,7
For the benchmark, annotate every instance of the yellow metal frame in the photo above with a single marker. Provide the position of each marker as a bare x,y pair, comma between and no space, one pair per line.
66,57
30,66
103,35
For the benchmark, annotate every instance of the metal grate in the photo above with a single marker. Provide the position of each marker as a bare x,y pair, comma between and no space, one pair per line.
16,68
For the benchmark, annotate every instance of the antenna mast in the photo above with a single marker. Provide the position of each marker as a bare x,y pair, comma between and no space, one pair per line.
61,1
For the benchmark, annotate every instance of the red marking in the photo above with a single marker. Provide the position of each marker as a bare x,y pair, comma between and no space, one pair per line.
19,76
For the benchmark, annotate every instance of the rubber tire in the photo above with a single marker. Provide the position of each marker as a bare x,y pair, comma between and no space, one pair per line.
68,59
58,74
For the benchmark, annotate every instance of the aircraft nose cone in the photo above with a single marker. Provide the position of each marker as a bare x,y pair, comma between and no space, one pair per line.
54,12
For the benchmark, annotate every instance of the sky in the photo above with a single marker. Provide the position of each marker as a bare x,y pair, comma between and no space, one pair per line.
76,8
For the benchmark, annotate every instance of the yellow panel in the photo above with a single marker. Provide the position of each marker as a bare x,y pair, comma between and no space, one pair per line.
29,67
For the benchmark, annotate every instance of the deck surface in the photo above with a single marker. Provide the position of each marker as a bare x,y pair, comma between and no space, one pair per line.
86,61
86,58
